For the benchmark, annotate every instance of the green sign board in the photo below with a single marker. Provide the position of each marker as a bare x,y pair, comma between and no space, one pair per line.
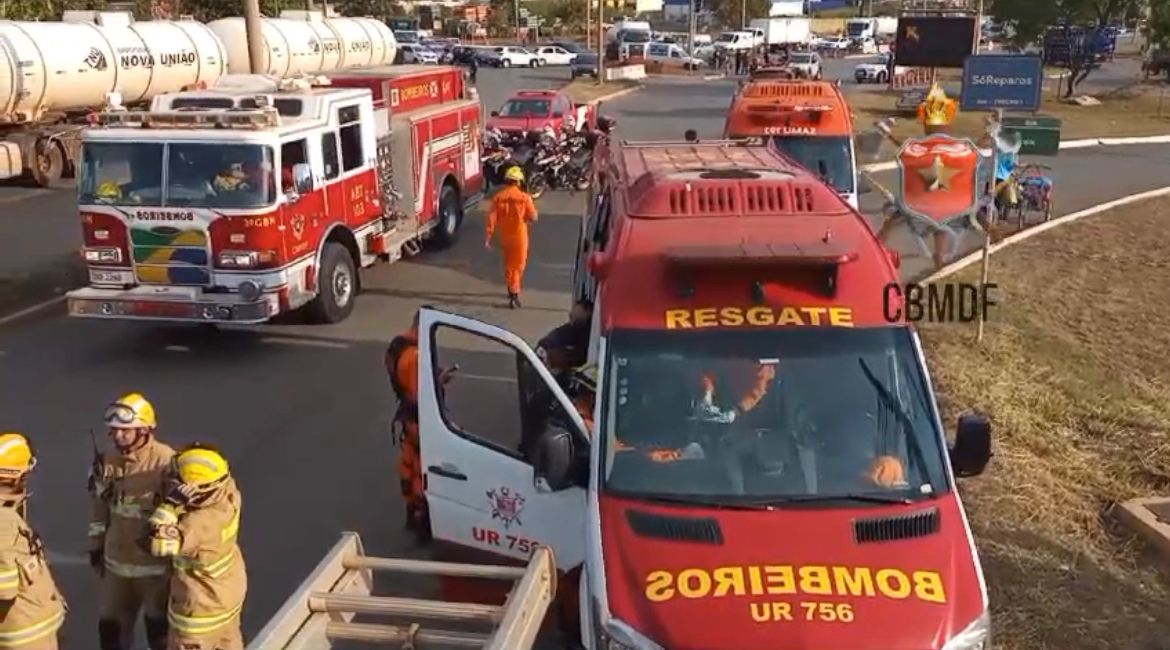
1040,135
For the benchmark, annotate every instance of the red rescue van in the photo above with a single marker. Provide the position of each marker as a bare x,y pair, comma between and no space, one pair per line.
768,468
807,120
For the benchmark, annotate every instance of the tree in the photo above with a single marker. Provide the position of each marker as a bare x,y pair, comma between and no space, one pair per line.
730,13
1030,21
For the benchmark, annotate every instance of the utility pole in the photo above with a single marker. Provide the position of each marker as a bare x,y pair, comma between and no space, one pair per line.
254,26
693,22
743,15
600,42
978,26
517,11
588,24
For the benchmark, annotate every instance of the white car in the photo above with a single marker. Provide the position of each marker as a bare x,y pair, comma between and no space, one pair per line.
415,53
735,41
877,72
807,62
836,43
554,55
511,56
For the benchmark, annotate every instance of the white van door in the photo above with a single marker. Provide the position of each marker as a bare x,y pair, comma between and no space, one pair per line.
481,490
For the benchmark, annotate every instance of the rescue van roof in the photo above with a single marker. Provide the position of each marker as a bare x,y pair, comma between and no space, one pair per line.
734,235
768,107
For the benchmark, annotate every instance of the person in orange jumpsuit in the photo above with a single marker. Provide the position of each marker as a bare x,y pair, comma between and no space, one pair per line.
512,210
402,366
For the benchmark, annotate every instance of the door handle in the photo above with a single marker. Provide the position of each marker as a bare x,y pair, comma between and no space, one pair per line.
447,471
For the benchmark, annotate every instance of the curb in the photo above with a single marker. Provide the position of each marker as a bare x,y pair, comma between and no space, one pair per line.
972,258
618,93
1066,144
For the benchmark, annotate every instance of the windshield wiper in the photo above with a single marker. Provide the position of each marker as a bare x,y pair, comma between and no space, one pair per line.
871,497
699,500
895,407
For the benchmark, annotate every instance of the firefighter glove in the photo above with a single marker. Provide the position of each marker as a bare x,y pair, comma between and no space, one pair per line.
164,515
179,495
166,541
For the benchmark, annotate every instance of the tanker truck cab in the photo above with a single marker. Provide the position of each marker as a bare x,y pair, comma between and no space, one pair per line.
768,468
229,205
807,120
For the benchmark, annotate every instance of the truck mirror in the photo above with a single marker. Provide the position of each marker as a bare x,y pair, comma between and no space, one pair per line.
972,449
597,264
495,113
557,115
302,178
554,458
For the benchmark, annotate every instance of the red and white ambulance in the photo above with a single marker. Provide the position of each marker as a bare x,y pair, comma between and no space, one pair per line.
820,513
236,203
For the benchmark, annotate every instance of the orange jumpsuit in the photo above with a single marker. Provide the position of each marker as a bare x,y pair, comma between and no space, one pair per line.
402,364
512,210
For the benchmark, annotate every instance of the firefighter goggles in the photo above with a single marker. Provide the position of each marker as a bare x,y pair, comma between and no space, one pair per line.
120,415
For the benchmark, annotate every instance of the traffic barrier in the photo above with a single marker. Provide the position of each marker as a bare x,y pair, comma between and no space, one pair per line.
915,77
628,72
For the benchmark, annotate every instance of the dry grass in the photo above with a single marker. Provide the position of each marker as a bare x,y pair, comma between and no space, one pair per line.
1073,373
588,90
1139,110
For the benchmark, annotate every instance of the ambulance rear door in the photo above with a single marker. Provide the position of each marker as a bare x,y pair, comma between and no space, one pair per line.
475,434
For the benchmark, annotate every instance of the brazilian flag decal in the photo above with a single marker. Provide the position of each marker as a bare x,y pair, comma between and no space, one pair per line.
169,255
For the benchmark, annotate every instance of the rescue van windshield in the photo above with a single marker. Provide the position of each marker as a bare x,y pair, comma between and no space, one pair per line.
768,417
829,157
177,174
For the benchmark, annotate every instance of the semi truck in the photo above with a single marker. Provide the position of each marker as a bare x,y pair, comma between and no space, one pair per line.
52,74
324,608
859,30
259,196
784,31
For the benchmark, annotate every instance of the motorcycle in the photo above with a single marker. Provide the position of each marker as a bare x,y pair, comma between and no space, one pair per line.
498,157
559,163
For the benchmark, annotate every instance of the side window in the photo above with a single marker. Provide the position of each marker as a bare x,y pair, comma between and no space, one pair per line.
352,156
329,155
292,153
495,398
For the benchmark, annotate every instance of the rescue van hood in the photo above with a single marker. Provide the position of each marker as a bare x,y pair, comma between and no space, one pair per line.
897,577
519,124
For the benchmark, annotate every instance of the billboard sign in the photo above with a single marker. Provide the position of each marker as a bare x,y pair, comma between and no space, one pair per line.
934,41
1012,82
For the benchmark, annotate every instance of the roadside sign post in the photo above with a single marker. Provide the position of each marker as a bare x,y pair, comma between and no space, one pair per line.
998,83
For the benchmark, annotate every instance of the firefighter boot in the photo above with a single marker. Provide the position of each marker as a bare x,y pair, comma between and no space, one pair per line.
513,300
110,635
157,630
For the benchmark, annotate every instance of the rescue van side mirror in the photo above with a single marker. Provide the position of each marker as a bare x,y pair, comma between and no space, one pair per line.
302,178
598,264
494,114
555,458
557,115
972,449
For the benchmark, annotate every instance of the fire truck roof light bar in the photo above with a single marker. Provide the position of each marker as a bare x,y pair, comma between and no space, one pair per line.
258,119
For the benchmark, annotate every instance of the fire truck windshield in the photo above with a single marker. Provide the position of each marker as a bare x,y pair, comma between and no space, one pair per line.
767,417
177,174
826,156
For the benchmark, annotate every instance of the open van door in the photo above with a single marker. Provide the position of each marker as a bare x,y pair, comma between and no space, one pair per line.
481,488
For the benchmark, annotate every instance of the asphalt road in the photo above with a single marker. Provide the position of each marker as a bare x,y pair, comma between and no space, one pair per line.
302,412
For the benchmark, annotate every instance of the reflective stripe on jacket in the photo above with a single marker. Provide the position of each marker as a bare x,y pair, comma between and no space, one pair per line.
134,483
38,609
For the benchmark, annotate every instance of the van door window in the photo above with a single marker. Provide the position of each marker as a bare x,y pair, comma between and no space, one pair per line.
329,155
349,119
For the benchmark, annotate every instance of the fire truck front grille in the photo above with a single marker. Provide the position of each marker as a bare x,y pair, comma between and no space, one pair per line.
168,255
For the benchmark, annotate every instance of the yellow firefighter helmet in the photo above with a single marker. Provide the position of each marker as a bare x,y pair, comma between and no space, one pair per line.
109,190
201,466
514,174
16,456
131,411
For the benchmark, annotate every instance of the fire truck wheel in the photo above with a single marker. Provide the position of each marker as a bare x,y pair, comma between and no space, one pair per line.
337,284
450,217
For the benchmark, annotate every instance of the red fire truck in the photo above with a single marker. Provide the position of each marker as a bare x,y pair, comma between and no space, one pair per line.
767,468
236,203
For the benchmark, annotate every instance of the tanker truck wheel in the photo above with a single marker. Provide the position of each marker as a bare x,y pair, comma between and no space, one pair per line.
48,163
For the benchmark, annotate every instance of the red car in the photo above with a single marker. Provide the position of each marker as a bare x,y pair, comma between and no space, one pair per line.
532,110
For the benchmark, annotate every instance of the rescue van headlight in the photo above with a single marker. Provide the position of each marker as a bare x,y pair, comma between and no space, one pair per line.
103,255
245,259
977,636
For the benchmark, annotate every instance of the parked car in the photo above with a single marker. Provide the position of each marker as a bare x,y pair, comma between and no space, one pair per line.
836,43
415,53
878,71
554,55
572,46
807,62
532,110
511,56
585,65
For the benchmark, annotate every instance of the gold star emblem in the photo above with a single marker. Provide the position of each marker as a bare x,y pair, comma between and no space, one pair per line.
937,175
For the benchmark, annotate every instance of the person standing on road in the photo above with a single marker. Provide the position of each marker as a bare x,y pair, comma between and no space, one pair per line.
402,366
32,610
125,486
197,528
473,67
512,210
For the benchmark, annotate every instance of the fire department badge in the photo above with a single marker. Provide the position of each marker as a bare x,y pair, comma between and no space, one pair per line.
298,226
506,506
938,177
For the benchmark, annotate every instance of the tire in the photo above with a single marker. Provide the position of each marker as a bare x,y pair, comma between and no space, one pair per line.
336,286
450,216
48,164
882,77
537,185
505,63
535,63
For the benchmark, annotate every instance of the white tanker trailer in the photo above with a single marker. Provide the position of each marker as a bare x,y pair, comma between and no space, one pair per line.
52,75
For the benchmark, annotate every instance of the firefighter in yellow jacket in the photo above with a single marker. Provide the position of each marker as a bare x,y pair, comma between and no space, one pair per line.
31,608
198,526
125,486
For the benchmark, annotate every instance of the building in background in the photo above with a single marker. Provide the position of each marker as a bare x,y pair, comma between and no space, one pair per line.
634,7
